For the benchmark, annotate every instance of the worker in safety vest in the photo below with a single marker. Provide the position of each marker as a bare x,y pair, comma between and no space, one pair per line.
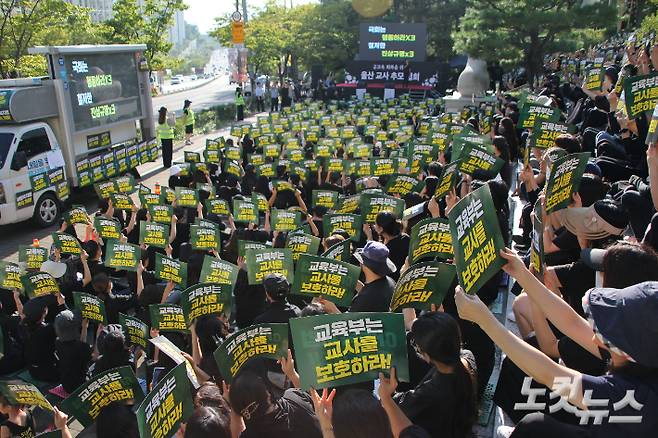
239,103
188,121
165,131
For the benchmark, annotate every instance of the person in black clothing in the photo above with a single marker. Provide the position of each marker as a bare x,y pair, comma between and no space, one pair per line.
74,354
19,421
444,403
39,338
389,229
279,310
375,295
290,416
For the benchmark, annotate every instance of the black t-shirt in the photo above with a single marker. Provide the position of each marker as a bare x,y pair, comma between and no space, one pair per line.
27,431
39,351
398,249
278,312
74,359
431,405
292,417
374,296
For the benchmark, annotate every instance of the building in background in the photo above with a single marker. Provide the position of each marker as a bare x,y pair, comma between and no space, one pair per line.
101,10
177,29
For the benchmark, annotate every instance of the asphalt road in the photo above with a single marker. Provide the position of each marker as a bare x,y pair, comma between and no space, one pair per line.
207,95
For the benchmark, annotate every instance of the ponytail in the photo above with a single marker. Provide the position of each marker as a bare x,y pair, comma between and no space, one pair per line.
465,400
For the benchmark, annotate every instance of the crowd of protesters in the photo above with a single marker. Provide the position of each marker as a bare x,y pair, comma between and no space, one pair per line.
587,328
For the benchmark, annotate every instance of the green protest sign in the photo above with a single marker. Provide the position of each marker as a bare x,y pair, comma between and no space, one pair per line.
37,284
348,204
218,271
167,318
39,182
348,348
204,238
430,238
153,234
77,215
167,405
399,184
256,341
148,199
206,299
476,239
475,158
325,198
66,243
261,262
125,184
245,211
351,223
537,245
285,220
218,206
107,228
652,134
32,256
63,191
564,180
10,276
448,180
137,332
383,166
186,197
121,255
339,251
244,245
24,199
640,93
423,284
261,202
161,214
333,279
372,204
531,112
544,133
121,201
594,79
169,269
302,243
91,307
117,384
18,392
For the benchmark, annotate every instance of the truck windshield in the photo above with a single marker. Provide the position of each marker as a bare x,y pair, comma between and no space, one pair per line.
5,143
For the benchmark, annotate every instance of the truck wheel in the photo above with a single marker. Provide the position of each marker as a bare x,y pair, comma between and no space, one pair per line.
47,210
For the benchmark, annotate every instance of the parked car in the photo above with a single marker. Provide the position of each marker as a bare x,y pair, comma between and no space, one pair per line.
178,79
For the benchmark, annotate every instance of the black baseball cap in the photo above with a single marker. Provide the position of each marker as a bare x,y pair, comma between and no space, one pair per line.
276,285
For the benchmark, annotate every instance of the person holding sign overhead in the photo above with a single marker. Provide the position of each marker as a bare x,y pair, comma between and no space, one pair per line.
19,420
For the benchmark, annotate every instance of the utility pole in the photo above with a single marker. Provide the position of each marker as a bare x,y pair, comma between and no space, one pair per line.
244,10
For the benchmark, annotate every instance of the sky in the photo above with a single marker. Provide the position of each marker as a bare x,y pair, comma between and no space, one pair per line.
203,12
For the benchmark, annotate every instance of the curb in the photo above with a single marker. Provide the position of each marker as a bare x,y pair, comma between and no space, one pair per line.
180,90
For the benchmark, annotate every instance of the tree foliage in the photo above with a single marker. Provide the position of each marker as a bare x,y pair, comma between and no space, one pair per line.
148,24
27,23
282,41
441,17
521,32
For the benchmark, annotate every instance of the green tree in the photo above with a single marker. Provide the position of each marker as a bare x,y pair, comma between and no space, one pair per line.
441,17
148,25
26,23
521,32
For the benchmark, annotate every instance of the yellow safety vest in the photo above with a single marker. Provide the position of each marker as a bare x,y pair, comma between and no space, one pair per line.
165,132
239,100
189,117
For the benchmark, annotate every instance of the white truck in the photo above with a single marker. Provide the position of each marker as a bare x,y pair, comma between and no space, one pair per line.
73,128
